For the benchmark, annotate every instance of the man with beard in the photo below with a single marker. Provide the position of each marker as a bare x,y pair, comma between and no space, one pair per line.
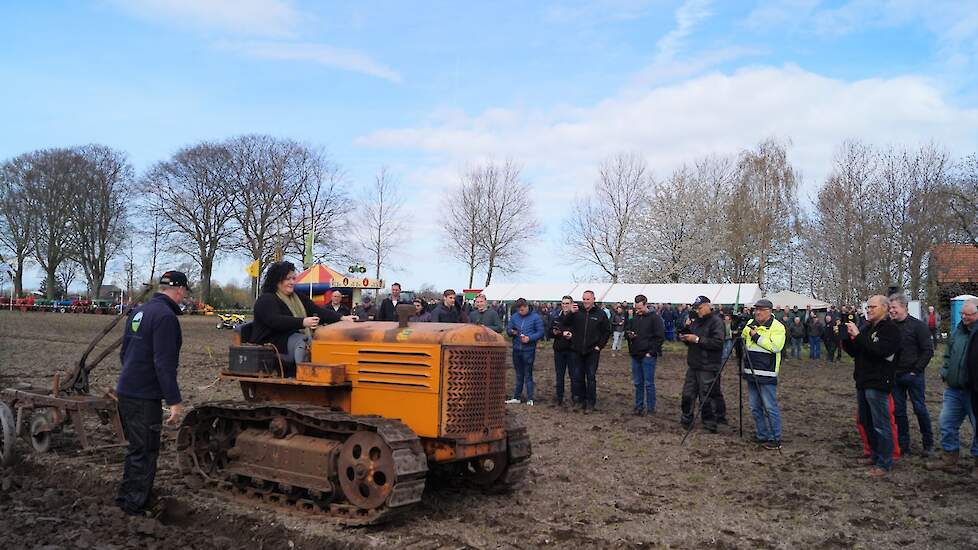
704,339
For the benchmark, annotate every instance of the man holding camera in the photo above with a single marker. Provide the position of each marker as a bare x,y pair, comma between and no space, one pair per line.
589,330
763,341
704,339
645,332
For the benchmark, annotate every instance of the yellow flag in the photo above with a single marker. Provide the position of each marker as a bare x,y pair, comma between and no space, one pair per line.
252,269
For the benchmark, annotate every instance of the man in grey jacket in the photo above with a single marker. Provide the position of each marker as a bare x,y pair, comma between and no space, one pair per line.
484,315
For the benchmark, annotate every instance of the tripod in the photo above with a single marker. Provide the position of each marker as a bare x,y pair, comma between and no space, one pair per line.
745,355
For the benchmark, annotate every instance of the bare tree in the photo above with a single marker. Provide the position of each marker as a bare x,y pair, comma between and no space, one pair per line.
190,192
98,220
380,224
670,241
766,189
268,176
962,198
16,221
461,232
320,207
599,226
508,221
49,198
66,275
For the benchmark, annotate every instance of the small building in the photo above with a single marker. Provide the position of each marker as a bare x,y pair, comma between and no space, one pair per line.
953,272
109,292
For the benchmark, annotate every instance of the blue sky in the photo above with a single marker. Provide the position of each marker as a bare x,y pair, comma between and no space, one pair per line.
430,88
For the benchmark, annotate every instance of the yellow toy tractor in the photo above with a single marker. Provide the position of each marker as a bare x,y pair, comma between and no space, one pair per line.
357,430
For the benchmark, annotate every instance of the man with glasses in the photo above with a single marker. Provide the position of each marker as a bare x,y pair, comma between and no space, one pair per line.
962,349
875,350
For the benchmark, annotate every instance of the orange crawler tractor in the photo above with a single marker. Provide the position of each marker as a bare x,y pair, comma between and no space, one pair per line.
357,431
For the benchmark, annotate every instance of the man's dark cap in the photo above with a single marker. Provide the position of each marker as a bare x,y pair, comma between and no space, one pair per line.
763,304
701,300
174,278
521,302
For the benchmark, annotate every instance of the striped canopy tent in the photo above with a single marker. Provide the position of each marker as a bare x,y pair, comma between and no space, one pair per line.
314,281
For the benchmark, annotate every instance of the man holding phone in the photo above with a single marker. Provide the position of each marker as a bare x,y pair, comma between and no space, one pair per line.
645,332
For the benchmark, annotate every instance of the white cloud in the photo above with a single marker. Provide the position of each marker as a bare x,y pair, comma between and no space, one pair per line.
714,113
688,15
276,18
340,58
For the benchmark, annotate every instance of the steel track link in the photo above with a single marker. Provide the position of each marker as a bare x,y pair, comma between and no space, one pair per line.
409,457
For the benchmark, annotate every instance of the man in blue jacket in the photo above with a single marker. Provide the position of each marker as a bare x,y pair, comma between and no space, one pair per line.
526,328
150,355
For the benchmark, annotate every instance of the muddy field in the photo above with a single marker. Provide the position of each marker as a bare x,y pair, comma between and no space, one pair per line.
604,480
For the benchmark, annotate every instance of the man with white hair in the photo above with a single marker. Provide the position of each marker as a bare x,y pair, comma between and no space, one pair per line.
875,350
962,347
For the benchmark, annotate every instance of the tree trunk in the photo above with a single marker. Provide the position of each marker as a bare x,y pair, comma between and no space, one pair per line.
206,267
19,277
52,282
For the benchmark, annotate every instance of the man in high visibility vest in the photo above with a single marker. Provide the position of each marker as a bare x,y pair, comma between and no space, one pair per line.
763,340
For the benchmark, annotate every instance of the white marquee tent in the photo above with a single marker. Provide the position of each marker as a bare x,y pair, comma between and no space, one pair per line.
728,294
789,299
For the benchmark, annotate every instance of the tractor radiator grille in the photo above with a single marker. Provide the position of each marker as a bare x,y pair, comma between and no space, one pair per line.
475,390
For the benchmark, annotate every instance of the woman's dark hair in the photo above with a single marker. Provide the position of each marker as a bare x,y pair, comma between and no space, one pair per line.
276,273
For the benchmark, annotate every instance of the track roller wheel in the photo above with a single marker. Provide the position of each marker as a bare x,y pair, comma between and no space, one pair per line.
7,435
486,470
366,470
40,435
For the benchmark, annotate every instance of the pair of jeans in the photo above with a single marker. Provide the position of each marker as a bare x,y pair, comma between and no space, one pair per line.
814,347
643,376
616,340
913,384
764,408
563,365
696,387
523,363
874,415
727,348
796,347
142,422
587,367
957,407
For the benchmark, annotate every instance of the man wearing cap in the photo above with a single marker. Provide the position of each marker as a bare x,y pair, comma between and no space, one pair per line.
763,340
704,339
150,355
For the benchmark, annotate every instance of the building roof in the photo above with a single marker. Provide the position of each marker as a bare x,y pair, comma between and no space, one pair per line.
746,293
955,263
789,299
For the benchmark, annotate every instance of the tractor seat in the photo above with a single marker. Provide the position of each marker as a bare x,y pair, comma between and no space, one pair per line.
288,363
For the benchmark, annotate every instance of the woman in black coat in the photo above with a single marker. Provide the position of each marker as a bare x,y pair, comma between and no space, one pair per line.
285,318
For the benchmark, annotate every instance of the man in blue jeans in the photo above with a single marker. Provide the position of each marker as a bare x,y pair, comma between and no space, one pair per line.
763,340
645,332
957,395
526,327
875,348
563,354
916,351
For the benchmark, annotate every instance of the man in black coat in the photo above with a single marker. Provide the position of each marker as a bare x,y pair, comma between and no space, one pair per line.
446,311
150,356
336,303
564,356
388,307
916,351
704,339
645,332
588,330
875,349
